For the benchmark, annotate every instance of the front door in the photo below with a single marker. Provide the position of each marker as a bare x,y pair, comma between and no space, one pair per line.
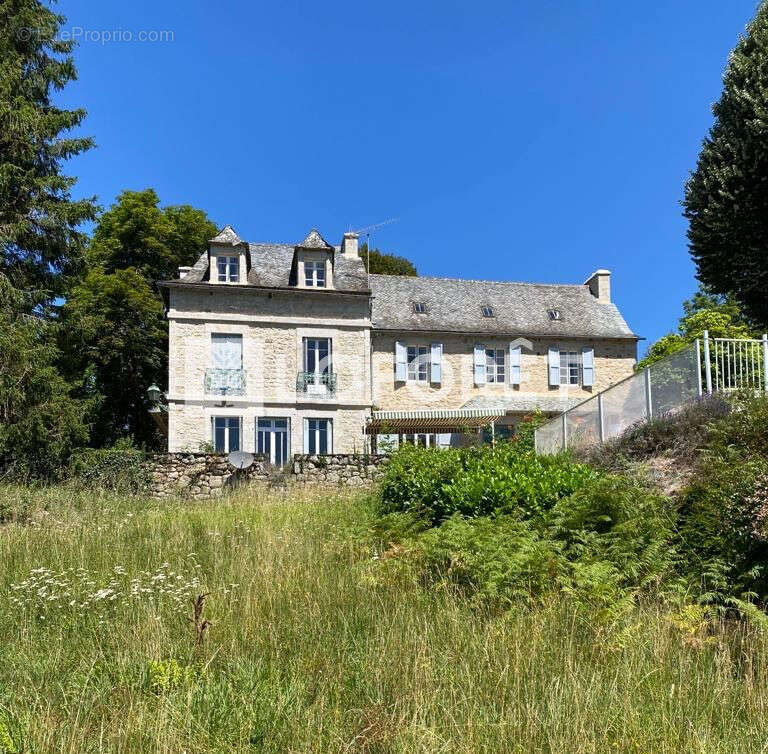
272,440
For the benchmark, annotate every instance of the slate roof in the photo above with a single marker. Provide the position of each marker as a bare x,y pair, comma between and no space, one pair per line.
315,241
455,305
227,236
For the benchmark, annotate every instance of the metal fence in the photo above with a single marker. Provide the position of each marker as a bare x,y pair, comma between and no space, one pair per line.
719,364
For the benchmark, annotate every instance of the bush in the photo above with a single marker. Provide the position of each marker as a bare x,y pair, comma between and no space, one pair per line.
435,484
119,468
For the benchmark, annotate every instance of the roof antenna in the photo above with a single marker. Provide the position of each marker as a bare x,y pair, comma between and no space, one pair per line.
367,230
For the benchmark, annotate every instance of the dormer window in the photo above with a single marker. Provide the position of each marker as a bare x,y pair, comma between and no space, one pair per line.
228,269
314,274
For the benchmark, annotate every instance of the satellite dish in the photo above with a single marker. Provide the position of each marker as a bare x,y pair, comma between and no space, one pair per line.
240,460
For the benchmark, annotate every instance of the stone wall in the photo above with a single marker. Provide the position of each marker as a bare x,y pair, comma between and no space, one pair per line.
343,470
206,475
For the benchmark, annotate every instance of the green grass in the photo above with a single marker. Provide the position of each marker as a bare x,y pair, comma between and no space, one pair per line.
316,645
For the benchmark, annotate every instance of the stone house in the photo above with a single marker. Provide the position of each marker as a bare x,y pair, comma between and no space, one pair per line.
285,349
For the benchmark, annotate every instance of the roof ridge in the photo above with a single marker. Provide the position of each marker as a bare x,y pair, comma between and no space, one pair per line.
475,280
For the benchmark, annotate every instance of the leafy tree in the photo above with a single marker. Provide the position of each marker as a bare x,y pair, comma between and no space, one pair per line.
116,335
40,243
726,197
387,264
136,232
718,314
40,423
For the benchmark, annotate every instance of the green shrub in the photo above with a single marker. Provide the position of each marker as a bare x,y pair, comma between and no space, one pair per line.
501,560
435,484
119,468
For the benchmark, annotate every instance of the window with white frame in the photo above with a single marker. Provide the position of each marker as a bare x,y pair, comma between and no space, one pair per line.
494,365
418,363
226,351
318,436
314,274
317,355
228,269
570,368
226,431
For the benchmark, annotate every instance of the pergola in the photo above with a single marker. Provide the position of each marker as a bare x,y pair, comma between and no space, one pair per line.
432,420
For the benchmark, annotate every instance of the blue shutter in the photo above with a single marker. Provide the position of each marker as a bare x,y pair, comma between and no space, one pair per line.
479,365
436,363
588,366
554,367
515,371
401,362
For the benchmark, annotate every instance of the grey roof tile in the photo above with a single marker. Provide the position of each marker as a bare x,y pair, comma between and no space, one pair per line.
455,305
227,236
314,241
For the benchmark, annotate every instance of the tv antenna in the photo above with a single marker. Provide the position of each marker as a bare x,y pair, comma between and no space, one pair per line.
367,230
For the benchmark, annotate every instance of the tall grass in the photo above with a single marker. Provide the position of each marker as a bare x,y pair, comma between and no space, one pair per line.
317,645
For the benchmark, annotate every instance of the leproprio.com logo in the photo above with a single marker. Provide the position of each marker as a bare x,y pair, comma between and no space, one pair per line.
99,36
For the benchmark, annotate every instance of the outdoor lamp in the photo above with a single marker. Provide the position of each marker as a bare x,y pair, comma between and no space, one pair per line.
154,393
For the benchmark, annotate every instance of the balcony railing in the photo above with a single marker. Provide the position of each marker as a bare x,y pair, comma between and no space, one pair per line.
316,385
225,381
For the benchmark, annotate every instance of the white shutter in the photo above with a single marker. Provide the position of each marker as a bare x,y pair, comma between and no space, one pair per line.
588,366
514,365
479,365
554,366
436,363
227,351
401,362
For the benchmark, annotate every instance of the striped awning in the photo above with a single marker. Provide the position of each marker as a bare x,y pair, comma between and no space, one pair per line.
436,420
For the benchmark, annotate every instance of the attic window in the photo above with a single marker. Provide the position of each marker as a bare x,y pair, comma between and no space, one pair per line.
419,307
488,311
555,314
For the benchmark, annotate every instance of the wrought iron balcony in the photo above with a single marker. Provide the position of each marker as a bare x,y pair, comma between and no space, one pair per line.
225,381
316,385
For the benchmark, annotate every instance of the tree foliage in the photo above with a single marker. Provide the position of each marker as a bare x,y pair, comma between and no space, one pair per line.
718,314
40,423
116,336
386,264
726,197
40,243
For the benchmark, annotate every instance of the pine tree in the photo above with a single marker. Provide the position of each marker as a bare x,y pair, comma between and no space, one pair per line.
726,197
40,243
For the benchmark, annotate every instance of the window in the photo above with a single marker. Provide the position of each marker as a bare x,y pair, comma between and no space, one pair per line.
228,269
419,307
418,363
318,436
317,355
314,274
272,440
226,351
555,314
488,311
570,368
494,365
226,433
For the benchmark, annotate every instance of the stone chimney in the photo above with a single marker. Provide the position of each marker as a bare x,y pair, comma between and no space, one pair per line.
599,284
349,244
183,272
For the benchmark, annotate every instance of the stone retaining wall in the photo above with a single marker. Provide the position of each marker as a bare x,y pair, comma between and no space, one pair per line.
205,475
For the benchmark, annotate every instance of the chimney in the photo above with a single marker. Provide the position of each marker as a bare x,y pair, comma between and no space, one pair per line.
183,271
599,284
349,244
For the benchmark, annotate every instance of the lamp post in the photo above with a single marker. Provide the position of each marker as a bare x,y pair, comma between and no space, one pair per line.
154,393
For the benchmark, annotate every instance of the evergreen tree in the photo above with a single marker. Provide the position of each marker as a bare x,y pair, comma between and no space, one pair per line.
386,264
40,243
726,198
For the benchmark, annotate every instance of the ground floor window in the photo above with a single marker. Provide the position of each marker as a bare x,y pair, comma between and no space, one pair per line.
318,436
226,433
273,440
423,440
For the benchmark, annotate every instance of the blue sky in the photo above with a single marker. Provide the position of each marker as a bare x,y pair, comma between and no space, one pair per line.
521,140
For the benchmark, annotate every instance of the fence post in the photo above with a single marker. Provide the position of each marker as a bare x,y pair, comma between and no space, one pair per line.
565,431
707,365
765,362
600,417
698,367
648,398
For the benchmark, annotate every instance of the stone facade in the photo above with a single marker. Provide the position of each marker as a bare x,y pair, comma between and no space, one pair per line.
614,360
206,475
